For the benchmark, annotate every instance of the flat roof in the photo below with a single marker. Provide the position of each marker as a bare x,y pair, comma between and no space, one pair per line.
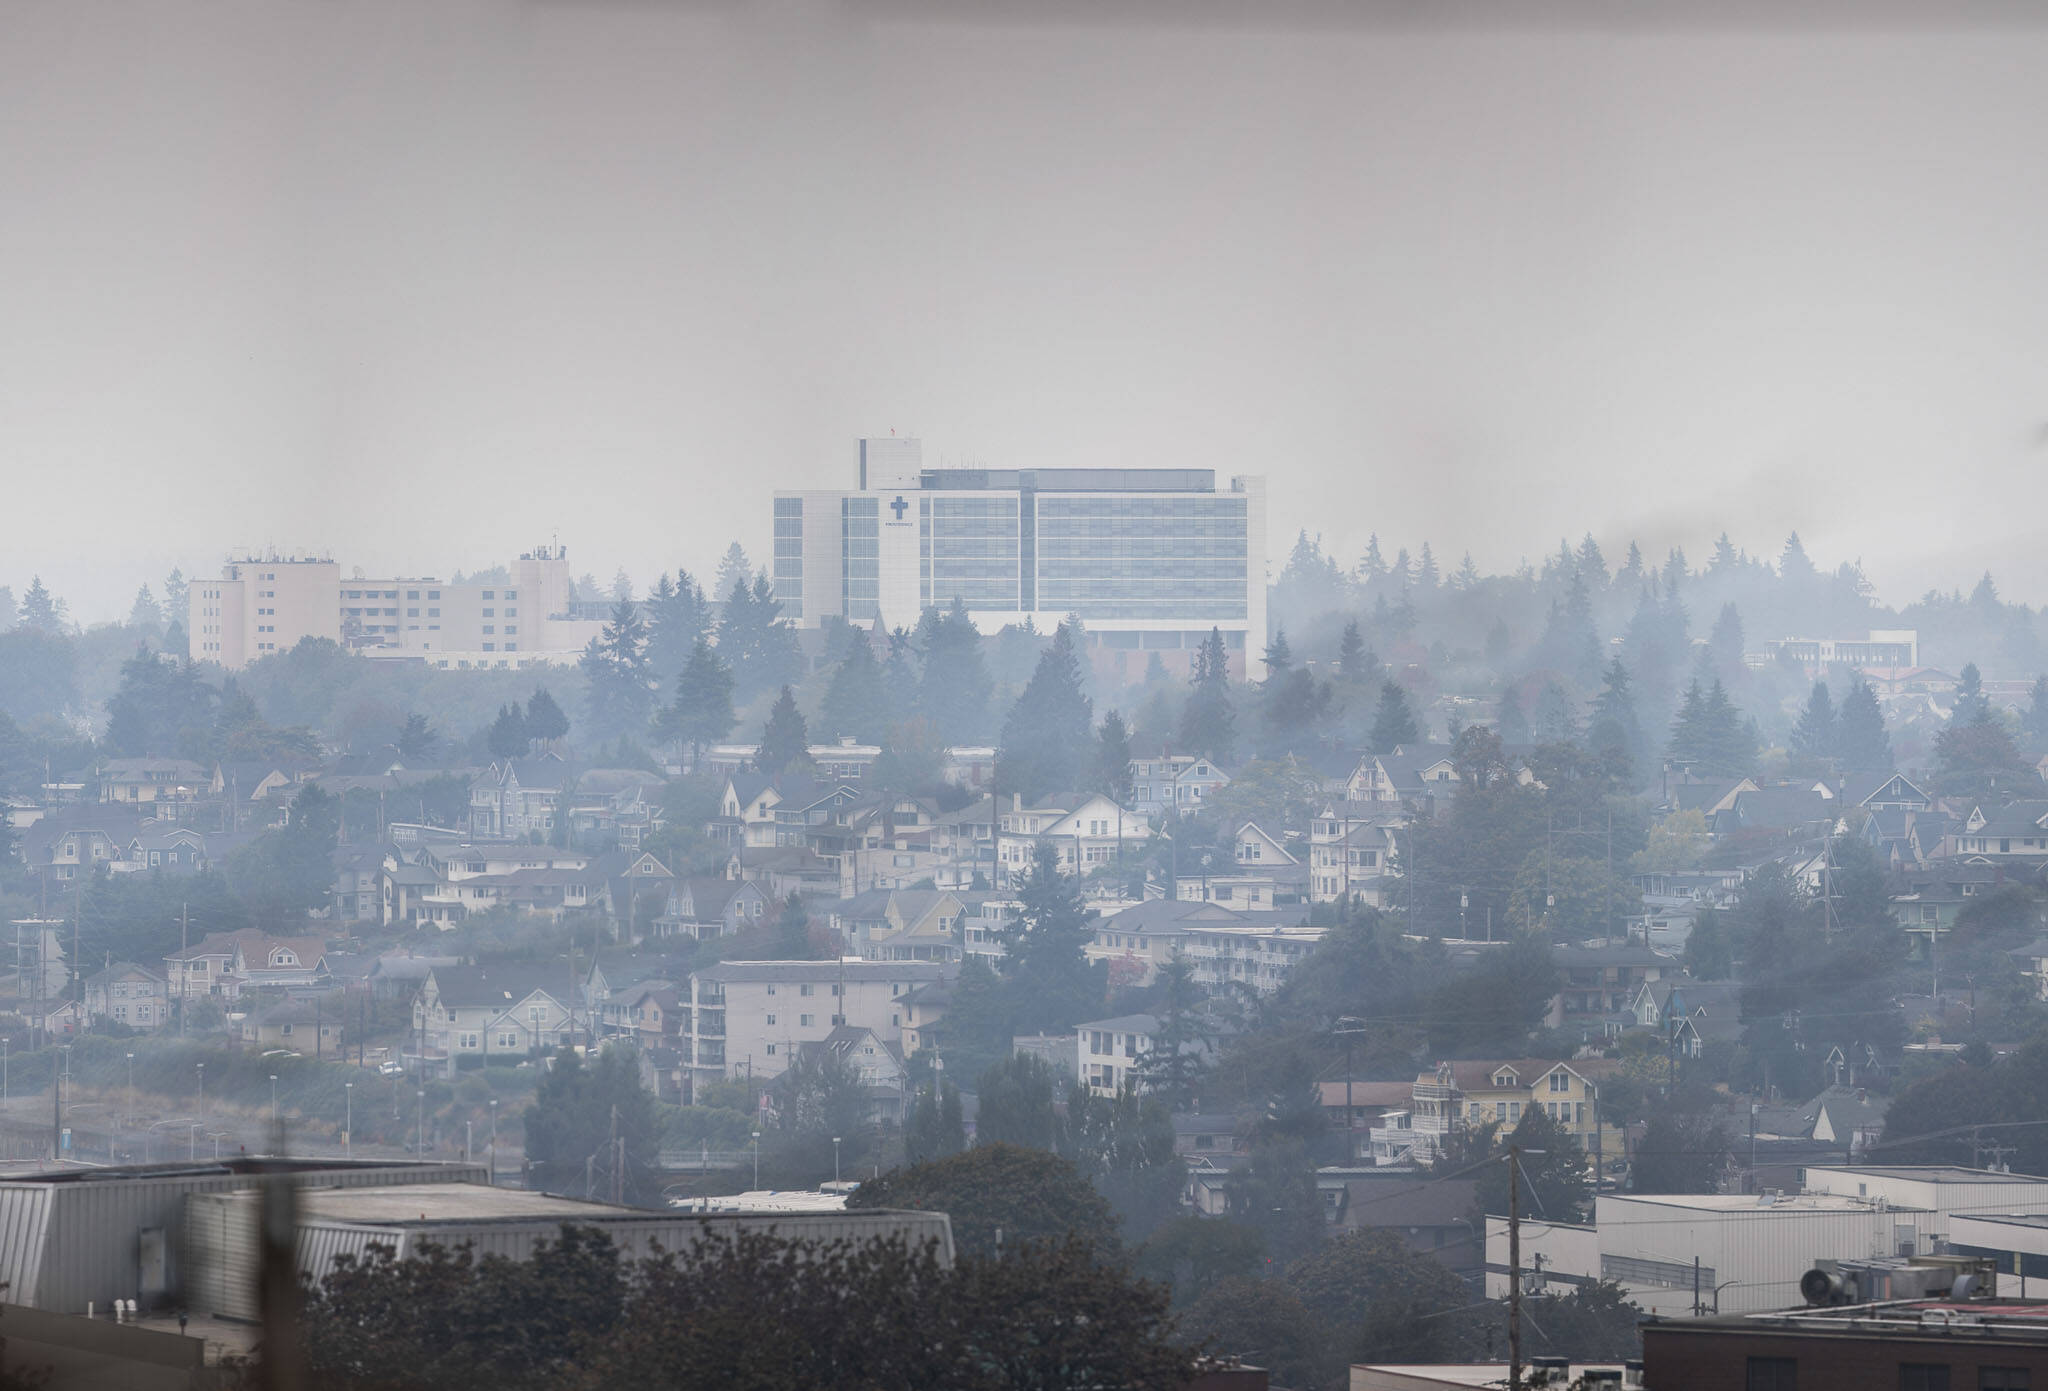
2010,1219
1933,1173
1416,1375
1987,1322
1790,1204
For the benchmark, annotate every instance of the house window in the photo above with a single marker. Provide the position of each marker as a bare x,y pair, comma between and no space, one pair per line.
2004,1379
771,1050
1560,1082
1923,1376
805,990
771,1021
1771,1374
804,1020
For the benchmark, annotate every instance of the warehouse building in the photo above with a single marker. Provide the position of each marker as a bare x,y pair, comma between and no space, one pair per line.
220,1230
73,1238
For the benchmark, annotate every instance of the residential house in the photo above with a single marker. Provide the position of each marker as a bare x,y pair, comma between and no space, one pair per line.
172,849
501,1012
359,883
127,993
70,842
1139,939
1457,1096
1085,832
1599,982
2032,961
703,908
1110,1053
208,966
1349,851
1409,775
518,796
1688,1014
276,963
164,784
746,812
903,924
2017,831
924,1014
309,1027
1257,953
1179,783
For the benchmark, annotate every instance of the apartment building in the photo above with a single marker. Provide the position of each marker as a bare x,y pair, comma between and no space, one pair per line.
748,1018
258,607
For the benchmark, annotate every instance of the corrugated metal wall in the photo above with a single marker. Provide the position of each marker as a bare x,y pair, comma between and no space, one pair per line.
64,1245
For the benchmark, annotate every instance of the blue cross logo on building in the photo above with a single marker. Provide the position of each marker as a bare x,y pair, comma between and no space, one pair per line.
899,507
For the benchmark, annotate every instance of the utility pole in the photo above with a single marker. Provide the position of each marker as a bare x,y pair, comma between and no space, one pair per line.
1514,1268
184,963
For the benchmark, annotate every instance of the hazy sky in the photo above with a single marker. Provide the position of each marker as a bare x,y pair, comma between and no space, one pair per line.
423,282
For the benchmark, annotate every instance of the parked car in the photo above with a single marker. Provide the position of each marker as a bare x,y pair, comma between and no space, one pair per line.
391,1067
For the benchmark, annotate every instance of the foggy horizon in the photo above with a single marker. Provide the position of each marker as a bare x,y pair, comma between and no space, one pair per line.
371,281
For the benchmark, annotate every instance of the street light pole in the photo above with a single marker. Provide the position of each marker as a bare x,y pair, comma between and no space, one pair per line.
202,1089
835,1159
757,1161
273,1099
494,1142
422,1150
348,1124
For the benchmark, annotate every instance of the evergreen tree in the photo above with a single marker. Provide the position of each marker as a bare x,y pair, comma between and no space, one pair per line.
1372,568
702,713
1724,645
1278,655
1355,661
39,611
676,617
7,608
1045,746
1555,722
955,688
1863,744
578,1106
1592,564
1818,736
1172,1071
1425,569
416,742
1725,559
793,931
618,688
2035,722
733,569
1728,745
1112,774
1208,722
1793,565
1467,578
1510,723
177,597
545,721
144,613
1674,573
507,735
856,702
1393,722
785,742
1985,595
935,1130
1295,706
1971,702
1630,575
1045,950
161,709
899,673
1615,725
757,646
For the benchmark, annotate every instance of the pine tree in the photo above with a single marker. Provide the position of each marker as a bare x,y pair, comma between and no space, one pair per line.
144,613
1863,743
1592,564
1425,569
1725,558
733,569
416,742
1278,655
507,735
1172,1070
1674,574
1554,722
1971,702
1724,644
1511,724
899,673
793,931
1729,747
545,721
619,691
702,713
38,610
2035,723
1372,568
1615,724
1630,575
1112,774
1817,736
1393,723
785,742
1208,722
1467,578
1046,738
856,703
676,617
1985,595
1045,950
755,643
1355,662
1793,565
956,687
